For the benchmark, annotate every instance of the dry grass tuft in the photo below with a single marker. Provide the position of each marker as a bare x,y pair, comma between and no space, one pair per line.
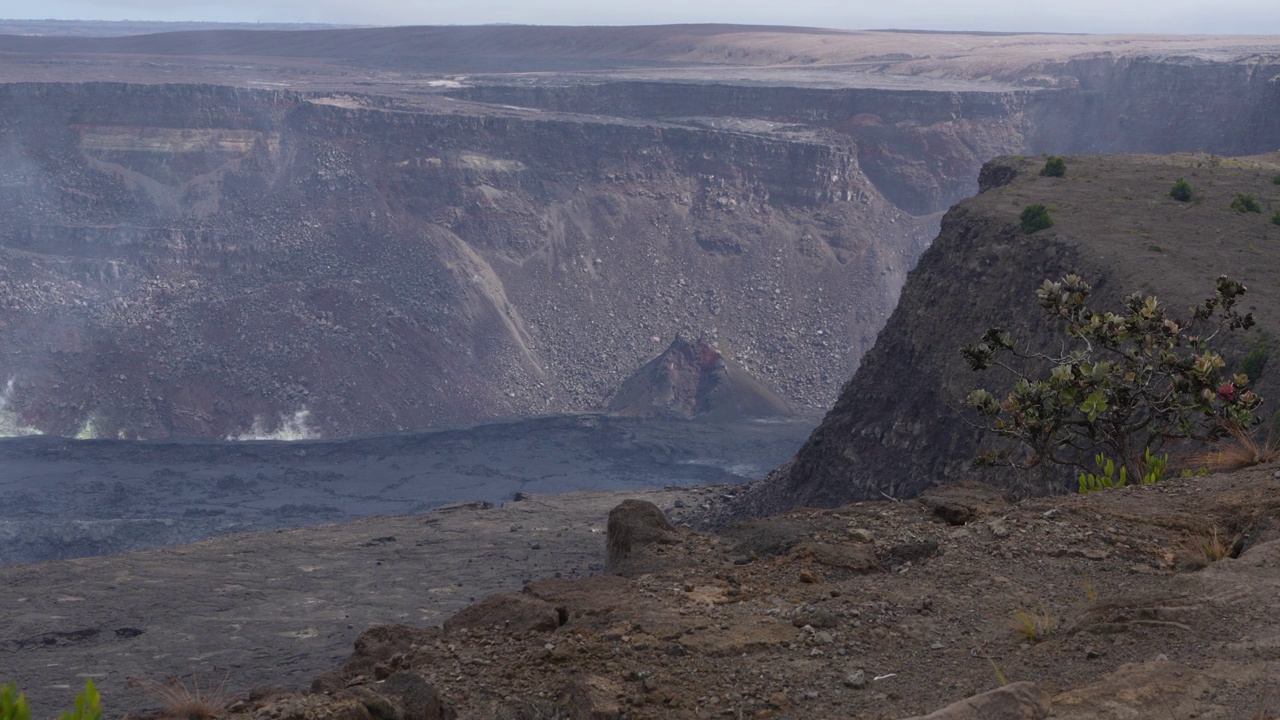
187,702
1090,592
1034,626
1239,450
1202,550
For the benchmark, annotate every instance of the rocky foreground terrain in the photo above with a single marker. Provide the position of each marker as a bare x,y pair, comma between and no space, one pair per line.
878,609
401,228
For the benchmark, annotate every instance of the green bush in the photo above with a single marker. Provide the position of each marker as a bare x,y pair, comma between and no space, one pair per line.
1276,179
1122,384
1246,203
1035,217
1275,219
1054,167
1181,190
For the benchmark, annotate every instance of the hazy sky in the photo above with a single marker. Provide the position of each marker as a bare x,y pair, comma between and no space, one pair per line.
1130,16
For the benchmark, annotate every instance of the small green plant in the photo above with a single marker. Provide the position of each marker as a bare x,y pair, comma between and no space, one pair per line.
1034,218
1246,203
1054,167
1276,179
12,705
1181,191
1275,219
88,705
1153,471
1105,478
1034,625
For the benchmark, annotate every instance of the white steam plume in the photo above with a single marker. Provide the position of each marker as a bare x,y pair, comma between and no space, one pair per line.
10,424
293,427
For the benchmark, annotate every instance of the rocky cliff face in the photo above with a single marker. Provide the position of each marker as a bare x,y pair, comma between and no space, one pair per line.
181,259
898,426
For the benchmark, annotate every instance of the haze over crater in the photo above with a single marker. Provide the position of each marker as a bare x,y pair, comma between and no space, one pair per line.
207,233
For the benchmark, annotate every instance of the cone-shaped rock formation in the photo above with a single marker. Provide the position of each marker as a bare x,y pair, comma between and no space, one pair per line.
693,379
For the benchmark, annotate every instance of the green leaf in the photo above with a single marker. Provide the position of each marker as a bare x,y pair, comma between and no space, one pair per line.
12,705
1094,405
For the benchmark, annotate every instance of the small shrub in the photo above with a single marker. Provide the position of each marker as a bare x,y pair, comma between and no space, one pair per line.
1034,218
1276,179
1275,219
1122,384
1034,626
1054,167
1246,203
1181,191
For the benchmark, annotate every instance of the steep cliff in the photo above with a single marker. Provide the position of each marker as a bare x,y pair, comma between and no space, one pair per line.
420,233
184,259
897,428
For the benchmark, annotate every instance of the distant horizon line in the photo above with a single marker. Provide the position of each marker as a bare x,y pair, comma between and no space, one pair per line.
302,25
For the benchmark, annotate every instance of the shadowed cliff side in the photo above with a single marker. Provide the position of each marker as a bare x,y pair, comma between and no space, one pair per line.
897,428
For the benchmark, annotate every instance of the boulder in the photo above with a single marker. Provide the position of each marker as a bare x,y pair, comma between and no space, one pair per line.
516,612
634,524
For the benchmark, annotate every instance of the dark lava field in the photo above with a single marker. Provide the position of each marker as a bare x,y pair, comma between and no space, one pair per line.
63,498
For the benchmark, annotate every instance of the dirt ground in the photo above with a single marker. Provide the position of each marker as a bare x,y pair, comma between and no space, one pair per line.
278,607
872,610
884,610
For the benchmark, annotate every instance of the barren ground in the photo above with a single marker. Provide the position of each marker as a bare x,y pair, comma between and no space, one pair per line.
871,610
